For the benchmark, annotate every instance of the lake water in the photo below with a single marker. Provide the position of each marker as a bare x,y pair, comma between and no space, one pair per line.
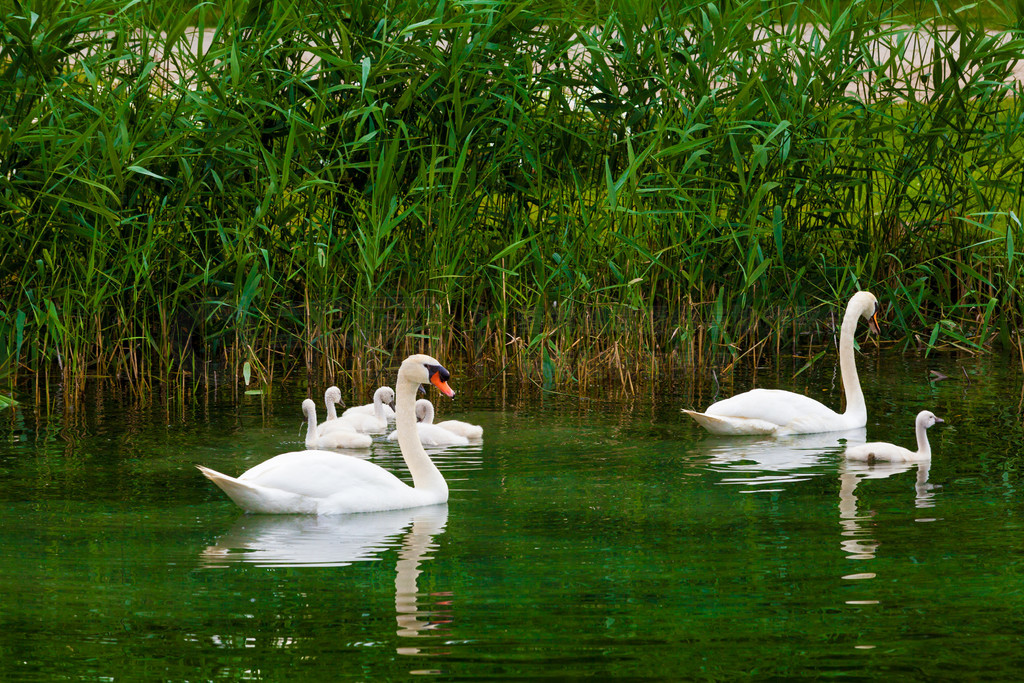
600,536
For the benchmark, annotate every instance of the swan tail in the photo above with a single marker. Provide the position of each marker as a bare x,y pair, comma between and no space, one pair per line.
732,426
258,499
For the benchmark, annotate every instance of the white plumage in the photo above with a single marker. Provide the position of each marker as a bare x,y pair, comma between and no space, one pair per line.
382,397
880,450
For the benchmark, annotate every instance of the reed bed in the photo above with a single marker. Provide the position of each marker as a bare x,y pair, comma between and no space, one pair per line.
571,194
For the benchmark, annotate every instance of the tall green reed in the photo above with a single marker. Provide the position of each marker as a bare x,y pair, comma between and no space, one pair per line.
568,193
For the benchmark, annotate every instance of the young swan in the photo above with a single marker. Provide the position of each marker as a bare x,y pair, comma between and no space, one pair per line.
383,396
331,396
370,423
431,434
879,450
335,438
328,483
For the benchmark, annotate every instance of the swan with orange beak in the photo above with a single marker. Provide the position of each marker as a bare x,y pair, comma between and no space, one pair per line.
329,483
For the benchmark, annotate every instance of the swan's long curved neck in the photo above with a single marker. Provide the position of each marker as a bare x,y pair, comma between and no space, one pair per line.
855,406
425,475
923,447
311,425
378,405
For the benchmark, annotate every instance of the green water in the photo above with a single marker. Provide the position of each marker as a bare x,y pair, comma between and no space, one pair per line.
605,536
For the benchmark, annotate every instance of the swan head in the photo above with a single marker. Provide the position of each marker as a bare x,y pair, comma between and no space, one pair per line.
423,369
424,411
865,304
308,407
928,419
386,395
332,395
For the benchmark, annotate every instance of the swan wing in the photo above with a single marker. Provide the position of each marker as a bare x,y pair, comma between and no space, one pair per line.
470,431
340,424
322,474
790,413
359,422
732,426
368,409
255,498
435,435
882,451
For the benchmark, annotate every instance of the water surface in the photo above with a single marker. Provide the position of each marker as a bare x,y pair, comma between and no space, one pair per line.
587,536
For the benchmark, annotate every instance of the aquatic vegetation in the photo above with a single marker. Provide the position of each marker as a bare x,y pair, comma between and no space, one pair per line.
326,188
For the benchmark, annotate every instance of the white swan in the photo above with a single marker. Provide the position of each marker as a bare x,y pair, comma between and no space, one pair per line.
382,397
360,422
432,434
880,450
778,412
339,437
323,482
470,431
331,396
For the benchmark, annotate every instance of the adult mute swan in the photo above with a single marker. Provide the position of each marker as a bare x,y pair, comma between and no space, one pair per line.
335,438
382,397
325,483
880,450
432,434
778,412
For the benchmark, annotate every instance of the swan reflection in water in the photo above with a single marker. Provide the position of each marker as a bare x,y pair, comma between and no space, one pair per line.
856,538
770,462
857,543
340,540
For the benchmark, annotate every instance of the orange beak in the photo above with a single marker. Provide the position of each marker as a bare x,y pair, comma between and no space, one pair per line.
873,324
441,385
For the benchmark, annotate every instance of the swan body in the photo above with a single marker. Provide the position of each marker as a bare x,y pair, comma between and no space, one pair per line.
382,397
470,431
431,434
361,422
339,437
325,483
880,450
778,412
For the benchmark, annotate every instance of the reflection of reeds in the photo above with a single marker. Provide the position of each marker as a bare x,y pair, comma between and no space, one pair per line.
520,185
